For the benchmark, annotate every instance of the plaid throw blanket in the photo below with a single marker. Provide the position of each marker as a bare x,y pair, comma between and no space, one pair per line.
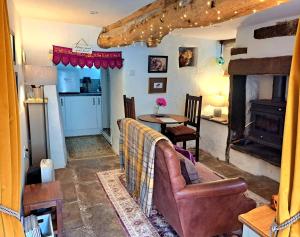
137,152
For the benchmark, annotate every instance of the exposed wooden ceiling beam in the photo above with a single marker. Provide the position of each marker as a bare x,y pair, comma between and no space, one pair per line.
151,23
135,15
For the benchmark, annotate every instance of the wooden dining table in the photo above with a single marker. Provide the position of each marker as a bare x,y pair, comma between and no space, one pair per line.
163,120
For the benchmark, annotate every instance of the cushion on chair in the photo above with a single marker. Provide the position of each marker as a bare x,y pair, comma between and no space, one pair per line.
181,130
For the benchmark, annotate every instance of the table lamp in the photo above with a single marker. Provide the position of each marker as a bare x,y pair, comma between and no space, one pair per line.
218,101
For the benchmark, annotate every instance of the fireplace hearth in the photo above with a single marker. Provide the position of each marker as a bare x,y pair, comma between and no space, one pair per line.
268,154
262,137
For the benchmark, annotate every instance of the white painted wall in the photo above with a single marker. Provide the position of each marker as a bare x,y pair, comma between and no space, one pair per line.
15,26
40,35
203,79
117,107
272,47
213,138
58,152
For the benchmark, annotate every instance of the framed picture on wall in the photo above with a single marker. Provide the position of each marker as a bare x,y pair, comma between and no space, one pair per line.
13,46
157,64
187,57
157,85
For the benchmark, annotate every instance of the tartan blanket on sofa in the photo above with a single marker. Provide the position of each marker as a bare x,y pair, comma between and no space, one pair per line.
137,153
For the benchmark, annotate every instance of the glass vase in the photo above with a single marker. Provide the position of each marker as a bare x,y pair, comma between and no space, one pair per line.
156,112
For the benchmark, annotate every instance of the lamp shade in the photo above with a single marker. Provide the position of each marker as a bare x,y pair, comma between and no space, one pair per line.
40,75
217,100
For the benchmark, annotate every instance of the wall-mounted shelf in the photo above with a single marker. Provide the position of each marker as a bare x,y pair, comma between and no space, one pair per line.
220,120
36,101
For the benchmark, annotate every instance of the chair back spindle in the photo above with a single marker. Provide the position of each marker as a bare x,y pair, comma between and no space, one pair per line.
193,106
129,107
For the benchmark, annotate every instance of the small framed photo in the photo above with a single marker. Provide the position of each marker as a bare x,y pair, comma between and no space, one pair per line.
157,85
157,64
187,57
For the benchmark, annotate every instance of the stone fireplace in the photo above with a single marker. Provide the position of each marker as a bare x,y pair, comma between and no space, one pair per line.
258,91
264,117
259,66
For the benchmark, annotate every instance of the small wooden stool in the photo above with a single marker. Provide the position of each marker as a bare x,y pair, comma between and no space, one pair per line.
45,195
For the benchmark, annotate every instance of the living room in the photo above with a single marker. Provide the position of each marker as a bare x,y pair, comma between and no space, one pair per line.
215,82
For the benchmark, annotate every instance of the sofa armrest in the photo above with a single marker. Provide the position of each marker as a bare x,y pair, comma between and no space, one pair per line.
212,189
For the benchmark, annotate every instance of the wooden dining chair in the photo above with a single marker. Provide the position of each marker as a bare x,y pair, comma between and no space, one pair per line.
191,129
129,107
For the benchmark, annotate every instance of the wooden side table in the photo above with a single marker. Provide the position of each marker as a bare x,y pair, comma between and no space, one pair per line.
258,222
45,195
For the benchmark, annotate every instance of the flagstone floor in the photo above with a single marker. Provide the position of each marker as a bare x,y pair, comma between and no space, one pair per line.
87,212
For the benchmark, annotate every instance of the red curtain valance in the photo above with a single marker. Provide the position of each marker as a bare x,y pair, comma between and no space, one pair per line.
98,59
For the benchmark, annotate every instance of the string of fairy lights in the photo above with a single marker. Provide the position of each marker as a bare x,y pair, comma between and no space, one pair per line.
153,35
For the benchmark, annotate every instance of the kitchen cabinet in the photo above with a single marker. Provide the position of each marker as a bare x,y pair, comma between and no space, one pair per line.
99,112
82,115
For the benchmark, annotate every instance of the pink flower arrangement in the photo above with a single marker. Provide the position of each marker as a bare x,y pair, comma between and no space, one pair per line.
161,102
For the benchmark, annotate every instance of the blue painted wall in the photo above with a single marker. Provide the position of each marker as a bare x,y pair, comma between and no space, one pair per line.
78,72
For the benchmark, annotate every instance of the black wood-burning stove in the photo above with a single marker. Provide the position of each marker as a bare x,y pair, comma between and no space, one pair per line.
265,135
267,116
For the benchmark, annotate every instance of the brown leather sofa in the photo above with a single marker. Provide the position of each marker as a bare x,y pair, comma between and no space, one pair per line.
206,209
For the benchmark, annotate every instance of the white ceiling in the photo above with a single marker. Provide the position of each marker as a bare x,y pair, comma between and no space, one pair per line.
78,11
222,31
109,11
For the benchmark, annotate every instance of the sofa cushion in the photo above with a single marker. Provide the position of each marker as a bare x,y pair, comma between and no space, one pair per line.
184,172
185,153
181,130
188,170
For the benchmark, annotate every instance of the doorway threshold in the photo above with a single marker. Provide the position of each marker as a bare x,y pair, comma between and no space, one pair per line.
107,135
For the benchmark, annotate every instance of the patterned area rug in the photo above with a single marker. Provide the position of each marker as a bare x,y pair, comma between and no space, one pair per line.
133,219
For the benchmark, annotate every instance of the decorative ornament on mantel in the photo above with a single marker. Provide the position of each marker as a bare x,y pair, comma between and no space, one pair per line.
152,22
